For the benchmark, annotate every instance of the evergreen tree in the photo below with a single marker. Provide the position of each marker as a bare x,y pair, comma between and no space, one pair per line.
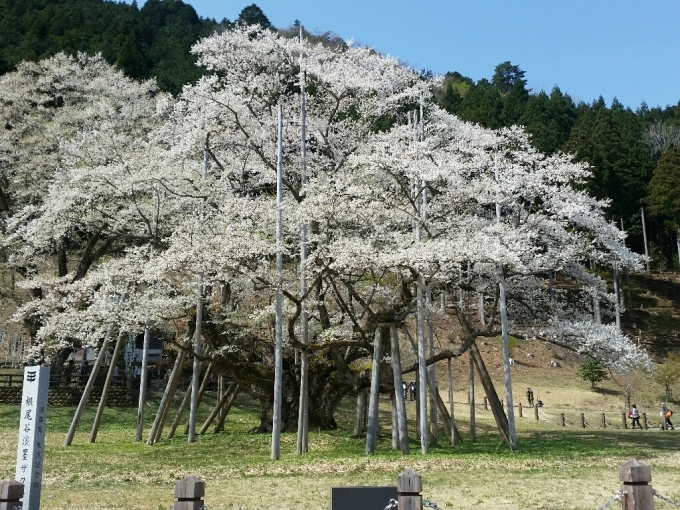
253,15
591,370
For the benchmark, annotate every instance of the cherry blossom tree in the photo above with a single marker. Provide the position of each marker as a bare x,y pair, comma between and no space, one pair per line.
124,195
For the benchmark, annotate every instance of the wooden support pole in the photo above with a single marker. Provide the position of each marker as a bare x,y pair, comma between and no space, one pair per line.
562,422
189,492
604,422
644,421
180,412
448,422
372,432
168,395
221,388
224,412
452,425
624,424
486,403
471,397
409,489
519,408
144,376
107,387
204,385
217,408
88,387
535,412
172,383
637,493
185,402
11,493
359,420
583,421
395,426
402,425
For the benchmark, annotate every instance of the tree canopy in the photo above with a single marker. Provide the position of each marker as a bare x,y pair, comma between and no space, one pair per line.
133,192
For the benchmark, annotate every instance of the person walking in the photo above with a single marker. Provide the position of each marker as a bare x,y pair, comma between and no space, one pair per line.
667,413
530,397
635,416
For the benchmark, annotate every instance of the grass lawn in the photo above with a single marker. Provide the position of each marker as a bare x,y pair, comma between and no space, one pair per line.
556,468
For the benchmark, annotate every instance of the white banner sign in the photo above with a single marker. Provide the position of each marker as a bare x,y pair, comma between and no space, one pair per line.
31,448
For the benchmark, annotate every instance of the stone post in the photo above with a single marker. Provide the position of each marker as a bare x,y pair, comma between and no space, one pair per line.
637,491
11,493
409,487
189,492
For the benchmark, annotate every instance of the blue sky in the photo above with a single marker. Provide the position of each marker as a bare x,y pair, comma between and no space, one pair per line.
615,48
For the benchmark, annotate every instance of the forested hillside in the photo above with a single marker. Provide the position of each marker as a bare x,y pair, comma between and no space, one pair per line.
627,149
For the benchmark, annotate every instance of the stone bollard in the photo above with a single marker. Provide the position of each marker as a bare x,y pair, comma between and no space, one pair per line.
189,492
11,493
638,493
409,487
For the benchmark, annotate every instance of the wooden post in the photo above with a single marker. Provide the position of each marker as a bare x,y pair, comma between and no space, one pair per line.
107,387
409,487
448,421
395,426
166,400
562,422
486,403
664,423
520,410
402,426
142,384
637,493
583,421
452,431
180,412
471,398
361,405
644,421
604,422
189,492
88,387
624,424
536,412
372,432
11,493
226,408
204,385
217,408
